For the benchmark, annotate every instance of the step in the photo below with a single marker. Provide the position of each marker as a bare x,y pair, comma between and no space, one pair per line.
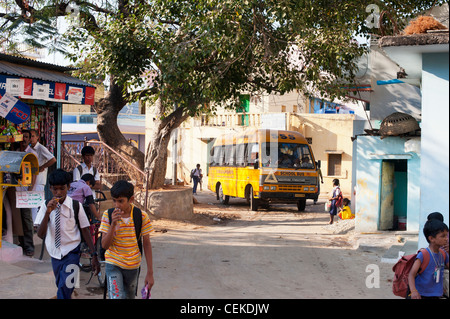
395,252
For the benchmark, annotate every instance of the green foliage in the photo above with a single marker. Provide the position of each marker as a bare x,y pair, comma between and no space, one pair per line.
207,52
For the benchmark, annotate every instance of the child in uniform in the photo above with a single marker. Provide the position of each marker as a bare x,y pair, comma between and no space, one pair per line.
59,227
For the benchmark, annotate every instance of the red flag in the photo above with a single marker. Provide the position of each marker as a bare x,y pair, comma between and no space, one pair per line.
27,86
89,96
60,91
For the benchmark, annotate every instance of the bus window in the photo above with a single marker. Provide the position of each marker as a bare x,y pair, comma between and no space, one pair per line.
211,157
253,153
230,152
217,156
240,154
286,155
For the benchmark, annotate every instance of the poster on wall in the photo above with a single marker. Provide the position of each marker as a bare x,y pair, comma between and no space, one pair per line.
75,95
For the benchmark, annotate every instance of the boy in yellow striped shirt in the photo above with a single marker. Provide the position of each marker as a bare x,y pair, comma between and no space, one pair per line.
123,255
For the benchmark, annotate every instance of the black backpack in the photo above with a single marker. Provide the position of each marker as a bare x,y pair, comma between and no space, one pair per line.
76,210
137,220
80,169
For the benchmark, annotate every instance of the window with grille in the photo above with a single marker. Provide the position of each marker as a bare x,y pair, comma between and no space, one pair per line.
334,164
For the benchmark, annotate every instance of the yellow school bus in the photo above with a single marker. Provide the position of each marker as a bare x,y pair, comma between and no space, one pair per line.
263,166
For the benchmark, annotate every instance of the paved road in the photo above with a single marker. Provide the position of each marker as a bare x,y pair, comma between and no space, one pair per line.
277,253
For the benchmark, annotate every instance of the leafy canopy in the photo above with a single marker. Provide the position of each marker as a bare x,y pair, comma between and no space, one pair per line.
206,52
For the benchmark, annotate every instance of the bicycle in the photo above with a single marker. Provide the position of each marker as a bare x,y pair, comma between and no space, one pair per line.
97,240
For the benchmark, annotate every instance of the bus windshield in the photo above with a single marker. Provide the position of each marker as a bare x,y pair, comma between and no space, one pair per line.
286,155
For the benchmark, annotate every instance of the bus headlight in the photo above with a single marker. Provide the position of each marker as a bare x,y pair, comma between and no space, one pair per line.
306,189
312,189
266,188
274,188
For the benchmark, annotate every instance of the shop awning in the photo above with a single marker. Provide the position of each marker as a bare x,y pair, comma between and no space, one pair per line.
29,79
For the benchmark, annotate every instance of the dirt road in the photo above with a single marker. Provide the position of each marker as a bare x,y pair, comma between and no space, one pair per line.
231,252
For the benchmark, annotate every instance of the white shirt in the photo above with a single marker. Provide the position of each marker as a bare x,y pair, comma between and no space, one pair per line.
197,172
85,170
43,156
70,234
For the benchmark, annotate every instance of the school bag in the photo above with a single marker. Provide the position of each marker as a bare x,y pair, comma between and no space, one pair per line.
80,169
340,199
76,210
137,220
402,268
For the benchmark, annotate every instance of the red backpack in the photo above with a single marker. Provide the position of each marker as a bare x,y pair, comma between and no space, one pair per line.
339,199
403,267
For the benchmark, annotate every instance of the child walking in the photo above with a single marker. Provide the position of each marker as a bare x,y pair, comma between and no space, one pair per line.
336,195
123,255
62,231
429,283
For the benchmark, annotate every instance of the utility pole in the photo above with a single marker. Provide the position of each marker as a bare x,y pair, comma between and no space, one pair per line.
175,153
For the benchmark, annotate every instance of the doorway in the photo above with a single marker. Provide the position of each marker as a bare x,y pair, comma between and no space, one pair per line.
393,195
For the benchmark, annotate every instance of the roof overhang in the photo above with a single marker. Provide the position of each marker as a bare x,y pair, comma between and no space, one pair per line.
407,50
35,80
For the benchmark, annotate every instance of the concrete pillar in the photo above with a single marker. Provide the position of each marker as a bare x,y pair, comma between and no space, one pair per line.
387,196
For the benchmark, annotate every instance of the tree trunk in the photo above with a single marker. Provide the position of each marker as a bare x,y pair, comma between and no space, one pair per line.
156,157
108,130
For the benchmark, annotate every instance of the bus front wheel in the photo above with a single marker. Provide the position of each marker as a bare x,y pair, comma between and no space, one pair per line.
253,201
223,199
301,205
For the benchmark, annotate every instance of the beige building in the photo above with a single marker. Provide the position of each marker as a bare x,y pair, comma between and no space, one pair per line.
330,135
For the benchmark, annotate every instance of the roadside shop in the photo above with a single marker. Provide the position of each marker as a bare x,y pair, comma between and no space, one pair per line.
32,94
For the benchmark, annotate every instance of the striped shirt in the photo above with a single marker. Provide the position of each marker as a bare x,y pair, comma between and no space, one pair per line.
124,250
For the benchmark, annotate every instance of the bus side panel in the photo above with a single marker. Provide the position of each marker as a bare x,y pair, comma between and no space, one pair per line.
229,181
242,174
246,176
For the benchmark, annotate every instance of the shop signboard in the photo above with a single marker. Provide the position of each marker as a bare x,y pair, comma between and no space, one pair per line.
14,110
46,90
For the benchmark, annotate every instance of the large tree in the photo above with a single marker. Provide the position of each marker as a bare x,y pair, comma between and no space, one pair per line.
194,55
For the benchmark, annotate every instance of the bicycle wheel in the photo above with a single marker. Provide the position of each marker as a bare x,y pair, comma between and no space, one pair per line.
101,259
84,255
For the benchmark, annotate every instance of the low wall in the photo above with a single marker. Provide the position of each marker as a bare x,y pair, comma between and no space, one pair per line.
173,203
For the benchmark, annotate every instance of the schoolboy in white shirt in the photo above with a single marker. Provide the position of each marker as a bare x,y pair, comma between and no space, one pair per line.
61,230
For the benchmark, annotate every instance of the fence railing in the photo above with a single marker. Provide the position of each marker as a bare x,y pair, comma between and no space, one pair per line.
111,166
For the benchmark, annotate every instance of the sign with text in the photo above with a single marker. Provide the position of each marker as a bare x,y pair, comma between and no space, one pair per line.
13,109
46,90
29,199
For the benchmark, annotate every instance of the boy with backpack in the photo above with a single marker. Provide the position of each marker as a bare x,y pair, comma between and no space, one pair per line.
87,166
62,221
336,200
82,191
427,281
196,176
123,228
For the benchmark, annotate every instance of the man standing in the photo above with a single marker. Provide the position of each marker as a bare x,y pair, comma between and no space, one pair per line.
26,241
45,159
196,176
